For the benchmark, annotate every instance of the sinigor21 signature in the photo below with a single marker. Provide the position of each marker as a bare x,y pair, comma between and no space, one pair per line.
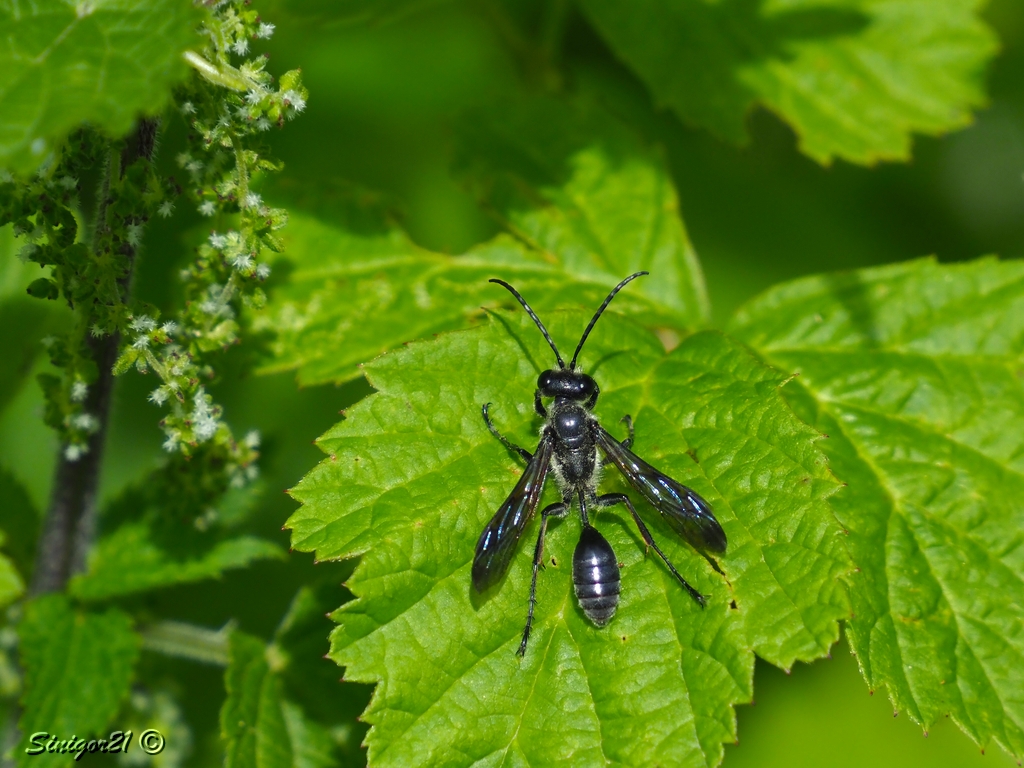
151,742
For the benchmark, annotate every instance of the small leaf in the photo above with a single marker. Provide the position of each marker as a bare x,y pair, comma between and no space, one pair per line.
20,522
854,78
78,668
11,584
916,371
25,321
414,475
135,558
63,64
262,728
598,208
43,288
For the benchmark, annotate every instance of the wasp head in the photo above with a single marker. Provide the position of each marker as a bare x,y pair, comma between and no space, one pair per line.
571,385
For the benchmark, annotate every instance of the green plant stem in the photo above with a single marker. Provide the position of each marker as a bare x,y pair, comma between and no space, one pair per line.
70,526
188,641
243,176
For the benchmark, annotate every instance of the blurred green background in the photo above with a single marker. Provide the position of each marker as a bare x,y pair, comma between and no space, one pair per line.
383,97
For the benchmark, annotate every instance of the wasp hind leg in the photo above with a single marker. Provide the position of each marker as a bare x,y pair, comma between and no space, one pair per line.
611,499
559,509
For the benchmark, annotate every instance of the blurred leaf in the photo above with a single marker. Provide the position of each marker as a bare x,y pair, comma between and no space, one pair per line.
78,668
173,528
25,321
11,584
20,522
63,64
330,13
578,187
414,475
853,77
915,371
591,209
309,677
137,558
262,728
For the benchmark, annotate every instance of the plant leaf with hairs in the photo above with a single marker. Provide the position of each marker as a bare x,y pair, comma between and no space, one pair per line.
854,78
916,371
413,476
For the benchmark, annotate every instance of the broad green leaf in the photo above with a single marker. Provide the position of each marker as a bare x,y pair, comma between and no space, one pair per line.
262,728
78,668
310,678
594,208
855,78
66,63
577,186
155,542
413,475
916,371
135,558
11,584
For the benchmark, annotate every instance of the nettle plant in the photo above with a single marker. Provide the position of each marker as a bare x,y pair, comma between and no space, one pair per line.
903,526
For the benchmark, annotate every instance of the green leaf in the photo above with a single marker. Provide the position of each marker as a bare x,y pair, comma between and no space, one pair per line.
855,78
78,668
261,727
63,64
135,558
20,522
321,13
311,679
577,186
596,207
26,321
154,542
915,371
413,476
11,584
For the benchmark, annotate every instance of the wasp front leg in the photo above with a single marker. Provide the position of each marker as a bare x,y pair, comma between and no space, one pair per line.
504,440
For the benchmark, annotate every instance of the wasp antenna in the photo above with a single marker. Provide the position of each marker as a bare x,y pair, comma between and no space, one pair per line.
531,313
593,321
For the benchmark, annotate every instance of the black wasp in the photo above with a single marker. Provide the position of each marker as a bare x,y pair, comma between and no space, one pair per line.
569,445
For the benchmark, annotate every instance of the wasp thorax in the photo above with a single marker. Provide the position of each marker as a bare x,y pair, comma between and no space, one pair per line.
571,426
595,576
565,383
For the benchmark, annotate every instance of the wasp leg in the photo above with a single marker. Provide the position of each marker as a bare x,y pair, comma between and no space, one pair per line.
611,499
628,442
504,440
538,405
559,509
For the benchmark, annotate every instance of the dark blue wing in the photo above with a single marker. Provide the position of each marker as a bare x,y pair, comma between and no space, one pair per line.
497,543
688,514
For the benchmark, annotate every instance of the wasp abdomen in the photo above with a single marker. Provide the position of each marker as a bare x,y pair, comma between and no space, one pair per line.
595,576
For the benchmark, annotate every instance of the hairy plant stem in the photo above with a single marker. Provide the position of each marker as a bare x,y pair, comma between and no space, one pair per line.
188,641
70,525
